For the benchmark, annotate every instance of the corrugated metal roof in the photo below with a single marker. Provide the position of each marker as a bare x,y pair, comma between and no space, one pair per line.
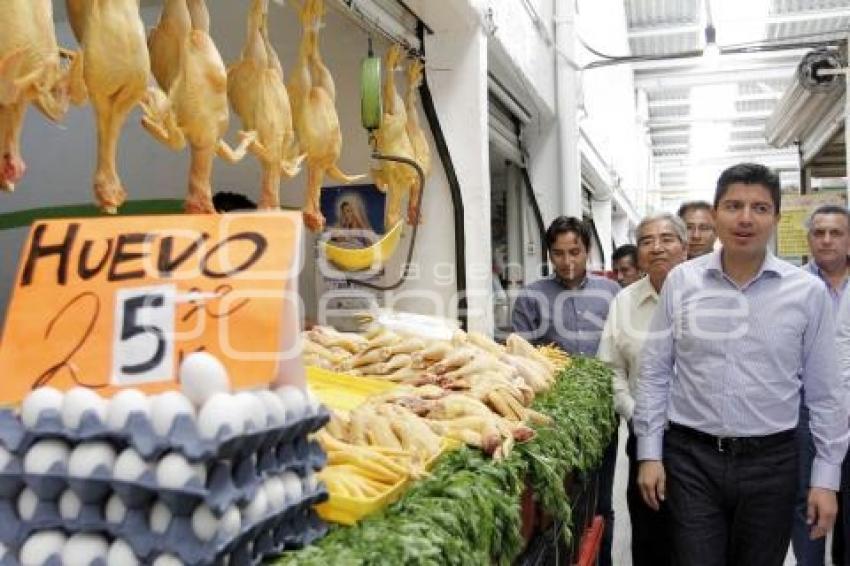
796,6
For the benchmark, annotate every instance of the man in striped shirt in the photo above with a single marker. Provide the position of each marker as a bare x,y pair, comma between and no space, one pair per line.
736,334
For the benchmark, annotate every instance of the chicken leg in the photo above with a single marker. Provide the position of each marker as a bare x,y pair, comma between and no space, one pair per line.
258,95
312,92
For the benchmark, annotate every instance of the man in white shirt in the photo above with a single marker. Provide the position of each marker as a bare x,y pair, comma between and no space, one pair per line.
662,243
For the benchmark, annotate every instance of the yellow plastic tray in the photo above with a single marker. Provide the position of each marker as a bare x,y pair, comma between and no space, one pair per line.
344,392
349,510
358,259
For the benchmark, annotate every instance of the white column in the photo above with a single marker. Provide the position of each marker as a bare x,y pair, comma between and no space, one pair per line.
567,90
459,89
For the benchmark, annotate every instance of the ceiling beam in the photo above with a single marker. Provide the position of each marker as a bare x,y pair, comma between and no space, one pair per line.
728,60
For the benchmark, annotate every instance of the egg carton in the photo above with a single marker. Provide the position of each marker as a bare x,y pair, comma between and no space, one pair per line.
138,432
91,516
180,539
227,482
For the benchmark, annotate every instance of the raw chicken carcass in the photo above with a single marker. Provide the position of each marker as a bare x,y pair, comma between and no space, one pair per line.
165,41
421,149
392,140
256,90
114,66
195,110
312,94
30,71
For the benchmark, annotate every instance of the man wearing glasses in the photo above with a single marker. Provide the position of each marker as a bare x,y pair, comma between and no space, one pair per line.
699,219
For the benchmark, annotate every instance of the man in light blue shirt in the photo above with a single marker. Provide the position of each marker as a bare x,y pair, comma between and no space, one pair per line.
736,334
828,237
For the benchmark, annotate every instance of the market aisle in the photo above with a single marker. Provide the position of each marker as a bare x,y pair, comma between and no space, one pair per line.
622,549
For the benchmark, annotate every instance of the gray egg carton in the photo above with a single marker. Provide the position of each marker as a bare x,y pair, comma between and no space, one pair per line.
293,527
183,436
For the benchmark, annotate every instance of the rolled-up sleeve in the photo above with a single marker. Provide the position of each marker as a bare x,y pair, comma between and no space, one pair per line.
825,389
610,353
656,372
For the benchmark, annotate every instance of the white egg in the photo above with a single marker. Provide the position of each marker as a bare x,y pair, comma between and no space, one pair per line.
5,457
78,401
275,409
38,401
294,401
257,508
292,486
116,511
44,454
252,409
121,553
166,407
202,375
160,518
39,547
167,560
275,493
174,471
125,403
220,410
88,456
230,523
204,523
69,505
27,502
84,548
313,402
129,466
311,482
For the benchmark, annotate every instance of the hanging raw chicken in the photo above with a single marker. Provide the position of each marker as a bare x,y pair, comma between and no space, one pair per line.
195,110
256,90
166,40
30,71
421,149
312,94
392,140
113,68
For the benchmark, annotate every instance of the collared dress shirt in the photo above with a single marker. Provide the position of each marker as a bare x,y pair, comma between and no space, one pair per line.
622,339
548,312
834,294
729,360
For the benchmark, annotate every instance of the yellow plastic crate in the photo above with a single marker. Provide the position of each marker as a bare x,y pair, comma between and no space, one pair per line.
344,392
348,510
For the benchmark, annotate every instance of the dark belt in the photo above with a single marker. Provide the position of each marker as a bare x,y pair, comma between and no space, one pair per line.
737,444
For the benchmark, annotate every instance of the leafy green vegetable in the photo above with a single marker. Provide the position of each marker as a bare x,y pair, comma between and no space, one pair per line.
467,512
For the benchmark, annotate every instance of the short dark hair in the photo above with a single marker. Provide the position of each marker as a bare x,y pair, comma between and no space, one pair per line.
626,250
693,205
225,201
565,224
750,174
828,209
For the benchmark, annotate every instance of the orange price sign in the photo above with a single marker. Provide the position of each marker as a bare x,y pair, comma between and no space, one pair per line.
108,303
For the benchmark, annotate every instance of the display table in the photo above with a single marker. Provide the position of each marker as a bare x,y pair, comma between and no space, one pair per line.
470,509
